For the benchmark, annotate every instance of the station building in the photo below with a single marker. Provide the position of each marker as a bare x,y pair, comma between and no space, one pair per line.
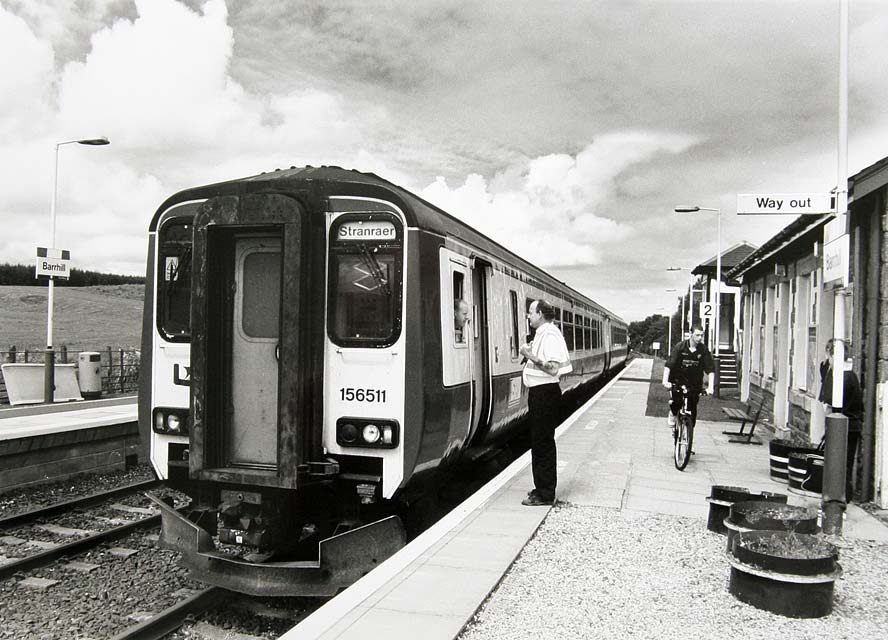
787,315
705,282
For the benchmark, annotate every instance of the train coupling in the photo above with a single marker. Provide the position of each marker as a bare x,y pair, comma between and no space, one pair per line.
342,558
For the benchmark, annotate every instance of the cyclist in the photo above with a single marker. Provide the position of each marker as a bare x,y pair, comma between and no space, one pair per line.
689,362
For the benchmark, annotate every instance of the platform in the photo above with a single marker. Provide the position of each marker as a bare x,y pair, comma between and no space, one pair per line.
609,455
53,442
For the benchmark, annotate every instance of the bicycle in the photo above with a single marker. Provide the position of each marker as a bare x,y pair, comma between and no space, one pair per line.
683,432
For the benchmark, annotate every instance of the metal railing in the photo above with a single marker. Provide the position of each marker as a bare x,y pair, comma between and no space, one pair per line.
119,367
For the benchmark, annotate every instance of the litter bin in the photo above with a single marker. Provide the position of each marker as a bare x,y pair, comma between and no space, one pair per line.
89,373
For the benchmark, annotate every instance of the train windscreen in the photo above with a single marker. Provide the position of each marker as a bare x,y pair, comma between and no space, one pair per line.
174,280
365,281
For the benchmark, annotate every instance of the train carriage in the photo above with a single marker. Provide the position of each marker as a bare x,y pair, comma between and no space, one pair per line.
308,381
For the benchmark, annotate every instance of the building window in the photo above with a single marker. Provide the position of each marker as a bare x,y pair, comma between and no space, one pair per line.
800,334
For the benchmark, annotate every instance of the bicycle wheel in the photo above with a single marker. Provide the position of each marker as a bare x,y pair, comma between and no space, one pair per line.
684,436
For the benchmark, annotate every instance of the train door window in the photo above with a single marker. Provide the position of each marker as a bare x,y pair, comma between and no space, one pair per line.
261,305
513,340
557,320
460,307
364,309
587,332
594,334
530,331
174,279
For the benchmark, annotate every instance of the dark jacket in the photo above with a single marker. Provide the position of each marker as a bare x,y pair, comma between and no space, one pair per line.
688,367
852,396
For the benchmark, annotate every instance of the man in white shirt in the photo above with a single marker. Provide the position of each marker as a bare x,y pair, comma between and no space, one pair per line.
547,360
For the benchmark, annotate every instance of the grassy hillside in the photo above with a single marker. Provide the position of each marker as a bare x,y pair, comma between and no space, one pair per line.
85,318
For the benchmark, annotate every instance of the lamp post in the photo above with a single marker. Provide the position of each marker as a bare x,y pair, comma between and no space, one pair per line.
690,294
49,355
680,329
718,265
718,269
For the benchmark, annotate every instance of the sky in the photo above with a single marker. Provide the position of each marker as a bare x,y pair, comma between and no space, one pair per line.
566,131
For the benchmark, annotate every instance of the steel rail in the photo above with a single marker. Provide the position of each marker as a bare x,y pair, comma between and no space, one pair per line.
68,505
172,618
50,555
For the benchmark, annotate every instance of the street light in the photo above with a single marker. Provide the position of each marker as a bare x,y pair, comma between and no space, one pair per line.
681,326
718,265
49,356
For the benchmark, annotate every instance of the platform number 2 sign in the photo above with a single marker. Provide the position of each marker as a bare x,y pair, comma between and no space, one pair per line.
707,310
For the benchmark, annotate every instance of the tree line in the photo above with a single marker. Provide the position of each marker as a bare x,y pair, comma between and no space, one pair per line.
23,275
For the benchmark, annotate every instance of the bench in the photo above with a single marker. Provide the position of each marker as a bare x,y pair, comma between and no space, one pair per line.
744,418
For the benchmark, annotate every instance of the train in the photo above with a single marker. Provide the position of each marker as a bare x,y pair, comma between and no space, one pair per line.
306,380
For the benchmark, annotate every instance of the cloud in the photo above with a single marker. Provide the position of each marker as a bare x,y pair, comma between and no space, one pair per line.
549,212
22,83
158,84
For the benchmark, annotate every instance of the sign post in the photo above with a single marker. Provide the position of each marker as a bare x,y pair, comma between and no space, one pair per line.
51,263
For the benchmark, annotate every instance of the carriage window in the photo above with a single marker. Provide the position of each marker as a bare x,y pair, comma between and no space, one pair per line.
174,280
365,281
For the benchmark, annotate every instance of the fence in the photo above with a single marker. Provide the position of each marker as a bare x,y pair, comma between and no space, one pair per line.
120,367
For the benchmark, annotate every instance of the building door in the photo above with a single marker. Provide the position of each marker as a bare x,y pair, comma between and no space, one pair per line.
255,347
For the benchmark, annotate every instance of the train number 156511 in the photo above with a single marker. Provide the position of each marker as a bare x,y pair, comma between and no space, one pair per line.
351,394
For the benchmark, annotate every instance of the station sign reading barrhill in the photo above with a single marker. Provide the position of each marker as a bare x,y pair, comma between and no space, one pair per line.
785,203
54,263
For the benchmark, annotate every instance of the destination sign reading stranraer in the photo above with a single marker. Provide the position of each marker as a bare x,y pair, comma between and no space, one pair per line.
785,203
54,263
366,230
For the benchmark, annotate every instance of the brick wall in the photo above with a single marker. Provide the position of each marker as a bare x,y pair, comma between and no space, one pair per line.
56,456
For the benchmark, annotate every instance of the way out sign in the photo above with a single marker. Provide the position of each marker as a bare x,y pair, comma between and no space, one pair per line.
785,203
55,263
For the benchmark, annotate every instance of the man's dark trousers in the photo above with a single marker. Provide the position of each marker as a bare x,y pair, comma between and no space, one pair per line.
544,405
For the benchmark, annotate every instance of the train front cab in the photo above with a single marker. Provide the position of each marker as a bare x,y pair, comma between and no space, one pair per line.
253,437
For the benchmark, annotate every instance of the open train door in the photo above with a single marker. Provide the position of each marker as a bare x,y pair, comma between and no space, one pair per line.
252,360
479,336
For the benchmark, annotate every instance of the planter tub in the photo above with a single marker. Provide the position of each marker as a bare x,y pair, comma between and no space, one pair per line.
779,451
722,497
806,473
786,573
768,516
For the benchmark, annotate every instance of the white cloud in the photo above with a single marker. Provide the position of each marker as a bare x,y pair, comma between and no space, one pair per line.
549,215
23,83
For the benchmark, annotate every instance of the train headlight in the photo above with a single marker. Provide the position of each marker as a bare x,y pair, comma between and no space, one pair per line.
348,433
174,423
169,421
371,433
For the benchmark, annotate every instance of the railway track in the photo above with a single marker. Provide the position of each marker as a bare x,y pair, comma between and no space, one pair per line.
172,618
86,539
70,505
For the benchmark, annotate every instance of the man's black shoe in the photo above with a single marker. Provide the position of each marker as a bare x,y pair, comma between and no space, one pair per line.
535,501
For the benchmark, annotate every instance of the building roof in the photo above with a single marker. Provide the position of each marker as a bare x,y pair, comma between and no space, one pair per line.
730,257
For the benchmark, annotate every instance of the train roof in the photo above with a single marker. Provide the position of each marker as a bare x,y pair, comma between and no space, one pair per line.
324,181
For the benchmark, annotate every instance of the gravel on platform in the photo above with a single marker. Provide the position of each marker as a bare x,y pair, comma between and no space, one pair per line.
593,572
